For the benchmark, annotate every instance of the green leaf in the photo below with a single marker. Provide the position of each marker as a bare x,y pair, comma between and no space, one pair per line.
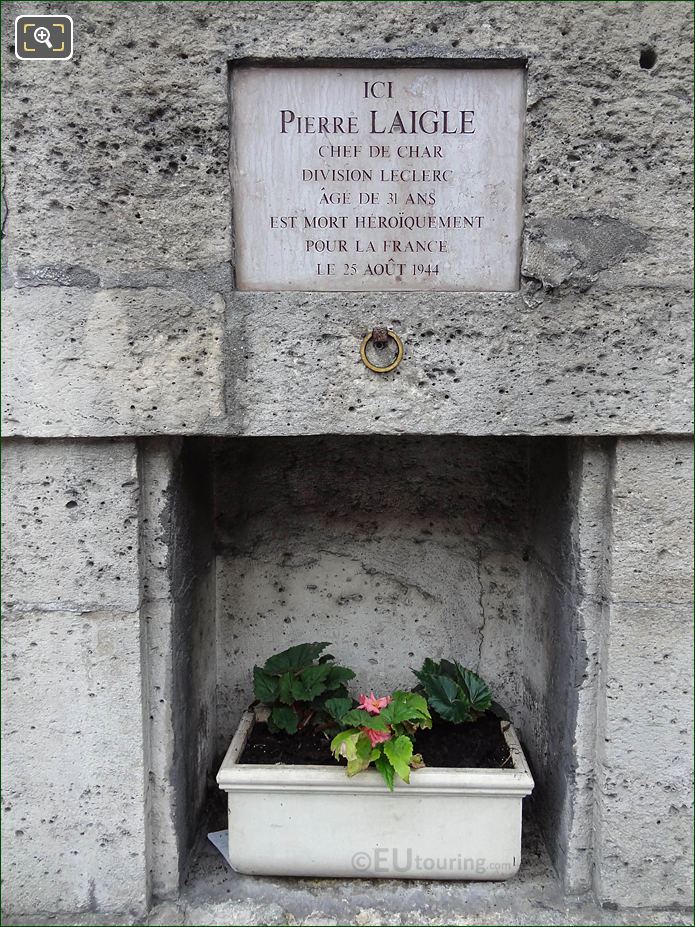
342,692
338,675
283,718
386,770
449,668
326,658
429,668
354,747
455,711
474,689
337,707
479,694
447,698
310,682
294,658
454,692
405,706
360,718
265,687
344,744
442,688
285,693
399,753
363,752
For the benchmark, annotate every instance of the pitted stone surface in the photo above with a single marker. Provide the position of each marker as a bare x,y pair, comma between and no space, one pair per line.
643,852
131,183
651,529
70,526
146,360
643,843
392,549
591,480
73,780
473,365
119,360
129,169
179,651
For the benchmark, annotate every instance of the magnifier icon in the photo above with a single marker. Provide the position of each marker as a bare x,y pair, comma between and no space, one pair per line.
43,35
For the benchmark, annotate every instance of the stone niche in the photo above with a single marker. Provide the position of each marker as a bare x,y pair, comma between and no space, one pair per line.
392,548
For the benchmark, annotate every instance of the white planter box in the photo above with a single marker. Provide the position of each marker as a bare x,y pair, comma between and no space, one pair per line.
312,821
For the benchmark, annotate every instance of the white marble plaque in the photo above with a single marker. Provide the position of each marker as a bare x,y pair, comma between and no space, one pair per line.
377,178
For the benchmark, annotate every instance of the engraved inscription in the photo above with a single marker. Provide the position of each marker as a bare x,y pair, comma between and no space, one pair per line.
377,179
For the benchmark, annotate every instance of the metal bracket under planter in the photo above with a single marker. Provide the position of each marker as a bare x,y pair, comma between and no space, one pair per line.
314,821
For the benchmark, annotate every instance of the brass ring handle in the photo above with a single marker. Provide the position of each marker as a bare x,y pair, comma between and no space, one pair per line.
392,366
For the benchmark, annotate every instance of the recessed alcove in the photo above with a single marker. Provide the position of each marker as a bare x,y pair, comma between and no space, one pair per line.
393,548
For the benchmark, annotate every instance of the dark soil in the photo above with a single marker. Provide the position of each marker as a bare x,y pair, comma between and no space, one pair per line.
474,745
478,745
305,748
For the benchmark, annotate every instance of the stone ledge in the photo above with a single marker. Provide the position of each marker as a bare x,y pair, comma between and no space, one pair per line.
155,361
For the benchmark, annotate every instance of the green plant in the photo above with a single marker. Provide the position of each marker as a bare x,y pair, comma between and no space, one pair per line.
380,731
456,694
300,688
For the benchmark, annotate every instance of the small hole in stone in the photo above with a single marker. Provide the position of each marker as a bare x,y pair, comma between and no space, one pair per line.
647,58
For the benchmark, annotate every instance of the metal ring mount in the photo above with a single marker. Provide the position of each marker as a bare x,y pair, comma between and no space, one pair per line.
392,366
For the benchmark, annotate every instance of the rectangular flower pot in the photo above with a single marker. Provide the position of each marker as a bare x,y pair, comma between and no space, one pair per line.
314,821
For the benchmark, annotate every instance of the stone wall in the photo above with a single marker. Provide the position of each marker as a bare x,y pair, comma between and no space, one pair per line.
120,287
125,345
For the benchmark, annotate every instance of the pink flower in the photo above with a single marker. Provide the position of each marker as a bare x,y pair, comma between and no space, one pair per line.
372,704
376,737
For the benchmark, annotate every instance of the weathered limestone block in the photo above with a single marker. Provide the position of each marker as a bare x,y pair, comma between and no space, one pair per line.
70,526
133,171
590,487
110,362
179,644
475,364
147,360
652,530
73,774
73,779
643,852
643,843
158,462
